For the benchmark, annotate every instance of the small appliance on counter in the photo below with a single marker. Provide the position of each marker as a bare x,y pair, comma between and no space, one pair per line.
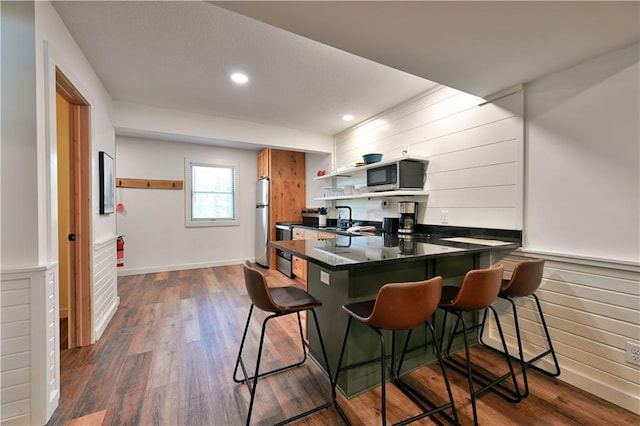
407,211
389,225
311,216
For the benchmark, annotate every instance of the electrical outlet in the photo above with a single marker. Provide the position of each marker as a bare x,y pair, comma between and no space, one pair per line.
632,354
325,278
444,216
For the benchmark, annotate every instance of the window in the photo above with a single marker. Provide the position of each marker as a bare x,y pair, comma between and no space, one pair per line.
211,194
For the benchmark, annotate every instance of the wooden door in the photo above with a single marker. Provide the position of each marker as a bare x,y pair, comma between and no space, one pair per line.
74,209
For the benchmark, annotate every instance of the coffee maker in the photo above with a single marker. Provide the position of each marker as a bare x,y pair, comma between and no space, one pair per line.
407,211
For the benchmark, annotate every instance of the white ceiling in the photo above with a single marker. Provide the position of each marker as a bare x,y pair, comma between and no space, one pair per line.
179,55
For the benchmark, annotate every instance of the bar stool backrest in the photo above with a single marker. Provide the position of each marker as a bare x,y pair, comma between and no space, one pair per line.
258,290
526,278
479,288
402,306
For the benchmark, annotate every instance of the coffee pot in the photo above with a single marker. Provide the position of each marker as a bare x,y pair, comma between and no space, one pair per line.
407,211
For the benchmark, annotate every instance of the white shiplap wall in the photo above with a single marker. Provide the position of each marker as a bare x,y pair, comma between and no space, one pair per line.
591,309
475,151
29,345
105,287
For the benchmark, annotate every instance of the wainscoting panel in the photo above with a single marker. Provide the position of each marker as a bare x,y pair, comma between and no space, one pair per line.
29,335
105,285
591,308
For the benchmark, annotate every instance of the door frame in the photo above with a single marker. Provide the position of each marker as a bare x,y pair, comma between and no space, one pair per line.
80,322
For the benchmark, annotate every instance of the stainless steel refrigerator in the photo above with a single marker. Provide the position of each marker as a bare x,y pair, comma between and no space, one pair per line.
262,222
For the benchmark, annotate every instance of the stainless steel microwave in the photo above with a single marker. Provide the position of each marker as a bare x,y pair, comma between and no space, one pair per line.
399,175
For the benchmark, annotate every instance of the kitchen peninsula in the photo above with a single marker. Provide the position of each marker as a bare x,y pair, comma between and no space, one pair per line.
349,269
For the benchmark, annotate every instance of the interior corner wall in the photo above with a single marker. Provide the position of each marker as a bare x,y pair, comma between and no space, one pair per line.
153,221
583,160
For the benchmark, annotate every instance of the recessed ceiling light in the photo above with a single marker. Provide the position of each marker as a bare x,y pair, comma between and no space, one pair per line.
240,78
347,117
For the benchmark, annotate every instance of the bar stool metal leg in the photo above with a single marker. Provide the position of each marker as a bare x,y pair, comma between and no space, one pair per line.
416,397
487,383
521,357
478,290
525,279
279,302
398,306
240,363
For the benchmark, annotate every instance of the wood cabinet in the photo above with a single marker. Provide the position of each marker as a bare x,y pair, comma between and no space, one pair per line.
287,189
299,268
264,160
298,234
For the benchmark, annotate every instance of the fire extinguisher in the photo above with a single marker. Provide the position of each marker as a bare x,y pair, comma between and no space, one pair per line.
120,251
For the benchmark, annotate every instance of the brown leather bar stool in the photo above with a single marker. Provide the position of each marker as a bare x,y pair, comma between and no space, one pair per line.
399,306
525,280
477,292
280,301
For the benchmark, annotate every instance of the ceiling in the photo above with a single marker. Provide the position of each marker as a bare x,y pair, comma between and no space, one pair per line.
179,55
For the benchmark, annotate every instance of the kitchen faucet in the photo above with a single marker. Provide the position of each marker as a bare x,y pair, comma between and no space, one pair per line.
341,220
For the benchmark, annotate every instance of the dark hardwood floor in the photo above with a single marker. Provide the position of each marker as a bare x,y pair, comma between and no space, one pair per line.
167,358
64,333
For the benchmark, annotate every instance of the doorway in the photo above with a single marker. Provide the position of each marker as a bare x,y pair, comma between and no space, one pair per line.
74,212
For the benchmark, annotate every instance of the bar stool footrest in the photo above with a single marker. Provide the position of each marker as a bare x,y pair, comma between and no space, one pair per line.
488,383
419,399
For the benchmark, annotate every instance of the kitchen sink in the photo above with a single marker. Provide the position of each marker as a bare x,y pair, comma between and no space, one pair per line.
334,229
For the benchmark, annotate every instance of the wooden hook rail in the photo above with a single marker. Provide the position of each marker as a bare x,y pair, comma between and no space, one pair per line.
148,183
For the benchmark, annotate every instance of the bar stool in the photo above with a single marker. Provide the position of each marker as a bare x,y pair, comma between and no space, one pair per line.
280,301
525,280
477,292
399,306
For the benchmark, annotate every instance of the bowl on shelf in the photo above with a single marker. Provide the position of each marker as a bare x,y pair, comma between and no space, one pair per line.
372,158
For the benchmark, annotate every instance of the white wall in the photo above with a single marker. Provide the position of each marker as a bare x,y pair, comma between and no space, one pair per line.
146,121
583,214
19,241
153,223
56,48
583,169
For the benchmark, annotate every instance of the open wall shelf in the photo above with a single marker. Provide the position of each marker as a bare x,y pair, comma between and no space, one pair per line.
374,195
352,171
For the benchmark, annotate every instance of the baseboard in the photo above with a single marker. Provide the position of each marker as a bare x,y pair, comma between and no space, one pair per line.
579,380
167,268
101,327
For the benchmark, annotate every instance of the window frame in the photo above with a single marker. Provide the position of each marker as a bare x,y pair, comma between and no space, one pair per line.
188,194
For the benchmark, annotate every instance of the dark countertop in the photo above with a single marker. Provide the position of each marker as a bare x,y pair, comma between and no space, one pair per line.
350,252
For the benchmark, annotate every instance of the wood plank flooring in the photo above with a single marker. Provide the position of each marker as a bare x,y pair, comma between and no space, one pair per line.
167,358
